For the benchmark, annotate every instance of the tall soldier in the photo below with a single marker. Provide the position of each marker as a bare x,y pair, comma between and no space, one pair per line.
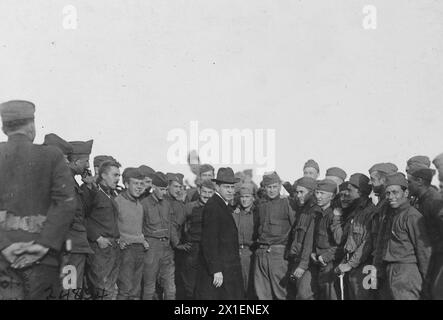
220,275
429,202
326,249
246,219
102,230
303,239
175,183
159,230
36,204
77,241
357,241
378,174
132,242
408,249
192,235
271,273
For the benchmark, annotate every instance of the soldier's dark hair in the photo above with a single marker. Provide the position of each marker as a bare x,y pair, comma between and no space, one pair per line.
106,165
14,125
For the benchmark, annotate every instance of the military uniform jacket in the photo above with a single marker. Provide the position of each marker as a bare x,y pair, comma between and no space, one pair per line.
193,221
102,220
408,238
36,184
358,245
77,231
158,219
276,220
324,241
178,210
303,234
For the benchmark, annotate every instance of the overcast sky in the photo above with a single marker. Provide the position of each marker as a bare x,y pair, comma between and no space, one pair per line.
132,71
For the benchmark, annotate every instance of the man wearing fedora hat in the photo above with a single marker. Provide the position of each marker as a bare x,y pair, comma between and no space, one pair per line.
220,266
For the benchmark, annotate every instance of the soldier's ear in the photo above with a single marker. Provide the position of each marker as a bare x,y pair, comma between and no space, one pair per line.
407,193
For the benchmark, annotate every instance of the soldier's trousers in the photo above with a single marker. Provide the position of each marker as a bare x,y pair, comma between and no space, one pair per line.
188,273
78,261
271,273
131,271
328,282
437,276
247,266
307,287
102,271
159,263
38,282
404,281
355,289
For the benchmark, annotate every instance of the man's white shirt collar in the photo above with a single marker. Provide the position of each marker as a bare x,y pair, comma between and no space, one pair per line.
226,202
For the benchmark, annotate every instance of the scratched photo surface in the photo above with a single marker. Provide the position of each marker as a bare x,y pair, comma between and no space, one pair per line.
154,150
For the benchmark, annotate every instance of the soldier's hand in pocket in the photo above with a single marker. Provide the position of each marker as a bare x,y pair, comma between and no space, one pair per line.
146,245
103,243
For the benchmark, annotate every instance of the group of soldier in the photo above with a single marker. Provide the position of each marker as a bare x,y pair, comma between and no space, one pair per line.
375,236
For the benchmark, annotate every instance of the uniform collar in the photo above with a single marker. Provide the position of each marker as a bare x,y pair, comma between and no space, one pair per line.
125,194
19,137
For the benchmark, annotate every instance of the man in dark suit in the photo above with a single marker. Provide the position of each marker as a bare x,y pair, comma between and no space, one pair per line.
220,267
37,206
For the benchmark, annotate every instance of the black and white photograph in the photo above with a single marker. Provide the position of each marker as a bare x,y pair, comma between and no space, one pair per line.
232,153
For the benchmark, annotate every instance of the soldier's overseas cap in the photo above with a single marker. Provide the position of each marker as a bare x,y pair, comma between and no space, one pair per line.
361,181
131,173
327,185
312,164
307,182
205,168
438,161
207,184
246,188
82,147
271,178
146,171
175,177
336,172
98,160
159,179
396,179
384,167
423,173
52,139
17,110
418,162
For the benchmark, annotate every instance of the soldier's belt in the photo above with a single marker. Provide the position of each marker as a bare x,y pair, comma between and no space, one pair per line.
32,224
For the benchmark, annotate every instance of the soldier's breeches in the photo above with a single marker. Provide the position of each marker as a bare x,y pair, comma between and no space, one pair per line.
271,274
356,291
189,271
131,272
404,281
328,283
159,262
102,271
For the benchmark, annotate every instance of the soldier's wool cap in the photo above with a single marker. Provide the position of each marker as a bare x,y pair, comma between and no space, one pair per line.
312,164
418,162
226,175
146,171
423,173
175,177
361,181
307,182
98,160
327,185
271,178
132,173
159,179
438,161
396,179
384,167
248,172
207,184
52,139
17,110
343,186
246,188
205,168
336,172
83,147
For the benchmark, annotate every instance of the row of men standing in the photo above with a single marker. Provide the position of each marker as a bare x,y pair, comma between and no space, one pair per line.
223,240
